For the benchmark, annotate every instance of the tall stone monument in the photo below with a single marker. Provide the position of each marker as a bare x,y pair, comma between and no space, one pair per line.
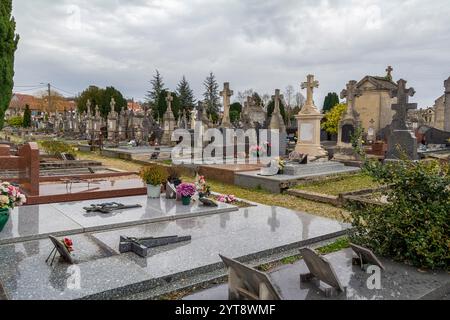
402,141
348,124
277,122
169,121
447,105
112,121
226,94
308,120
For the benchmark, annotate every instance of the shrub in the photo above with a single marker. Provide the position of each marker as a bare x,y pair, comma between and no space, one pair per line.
154,175
55,147
413,227
16,121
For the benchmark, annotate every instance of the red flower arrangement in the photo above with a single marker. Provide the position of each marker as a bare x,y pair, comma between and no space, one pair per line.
68,243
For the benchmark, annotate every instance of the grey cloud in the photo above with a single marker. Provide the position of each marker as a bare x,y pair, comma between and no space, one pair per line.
252,44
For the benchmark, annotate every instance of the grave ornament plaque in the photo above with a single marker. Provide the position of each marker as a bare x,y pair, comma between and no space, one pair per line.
245,283
320,269
61,248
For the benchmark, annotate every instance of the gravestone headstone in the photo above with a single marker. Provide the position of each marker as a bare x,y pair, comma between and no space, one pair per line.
226,94
245,283
320,269
365,256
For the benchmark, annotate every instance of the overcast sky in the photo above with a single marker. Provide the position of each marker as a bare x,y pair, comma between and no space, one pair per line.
256,44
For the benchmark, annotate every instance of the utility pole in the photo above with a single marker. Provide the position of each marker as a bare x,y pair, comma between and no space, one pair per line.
49,98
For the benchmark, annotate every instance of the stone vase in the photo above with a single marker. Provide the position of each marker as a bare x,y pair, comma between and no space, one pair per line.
153,192
4,217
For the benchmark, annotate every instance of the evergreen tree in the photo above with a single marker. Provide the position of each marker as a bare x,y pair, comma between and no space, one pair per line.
8,45
185,95
211,96
154,94
161,107
235,111
330,101
27,117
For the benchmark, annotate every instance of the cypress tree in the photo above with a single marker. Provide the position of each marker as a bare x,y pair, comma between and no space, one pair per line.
185,95
27,117
211,96
8,45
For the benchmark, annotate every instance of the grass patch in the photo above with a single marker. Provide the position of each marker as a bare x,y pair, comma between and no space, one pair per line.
120,164
281,200
339,244
342,184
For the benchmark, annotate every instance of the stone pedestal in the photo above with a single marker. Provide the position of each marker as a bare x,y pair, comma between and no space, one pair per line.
309,135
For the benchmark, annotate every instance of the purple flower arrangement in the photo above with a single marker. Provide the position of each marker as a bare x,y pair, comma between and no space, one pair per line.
186,189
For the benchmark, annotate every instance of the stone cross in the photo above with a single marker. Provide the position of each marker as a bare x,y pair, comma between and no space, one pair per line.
350,94
402,106
226,94
277,98
113,104
309,85
389,72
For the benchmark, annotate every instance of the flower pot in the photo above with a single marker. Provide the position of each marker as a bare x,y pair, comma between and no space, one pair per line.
153,191
186,200
4,216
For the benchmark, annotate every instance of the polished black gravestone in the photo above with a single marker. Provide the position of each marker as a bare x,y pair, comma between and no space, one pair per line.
141,246
245,283
320,269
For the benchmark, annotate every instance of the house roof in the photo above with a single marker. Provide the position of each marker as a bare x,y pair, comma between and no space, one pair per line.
380,83
19,101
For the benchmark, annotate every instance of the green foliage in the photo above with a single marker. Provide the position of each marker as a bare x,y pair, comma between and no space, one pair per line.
186,95
235,111
332,118
16,121
27,117
102,98
154,174
339,244
154,94
413,226
330,101
8,46
211,95
55,147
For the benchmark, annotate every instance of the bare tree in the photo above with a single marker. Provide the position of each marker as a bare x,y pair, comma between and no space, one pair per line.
242,95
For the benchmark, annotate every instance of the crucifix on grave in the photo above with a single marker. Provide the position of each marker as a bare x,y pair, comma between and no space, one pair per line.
401,141
308,123
350,119
402,106
389,70
226,94
309,85
169,121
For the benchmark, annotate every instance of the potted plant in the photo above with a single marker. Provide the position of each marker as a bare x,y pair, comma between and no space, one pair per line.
153,176
186,191
10,197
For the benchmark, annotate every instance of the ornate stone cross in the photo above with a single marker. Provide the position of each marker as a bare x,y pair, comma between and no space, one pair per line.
309,85
169,99
226,94
350,94
277,98
402,106
389,72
